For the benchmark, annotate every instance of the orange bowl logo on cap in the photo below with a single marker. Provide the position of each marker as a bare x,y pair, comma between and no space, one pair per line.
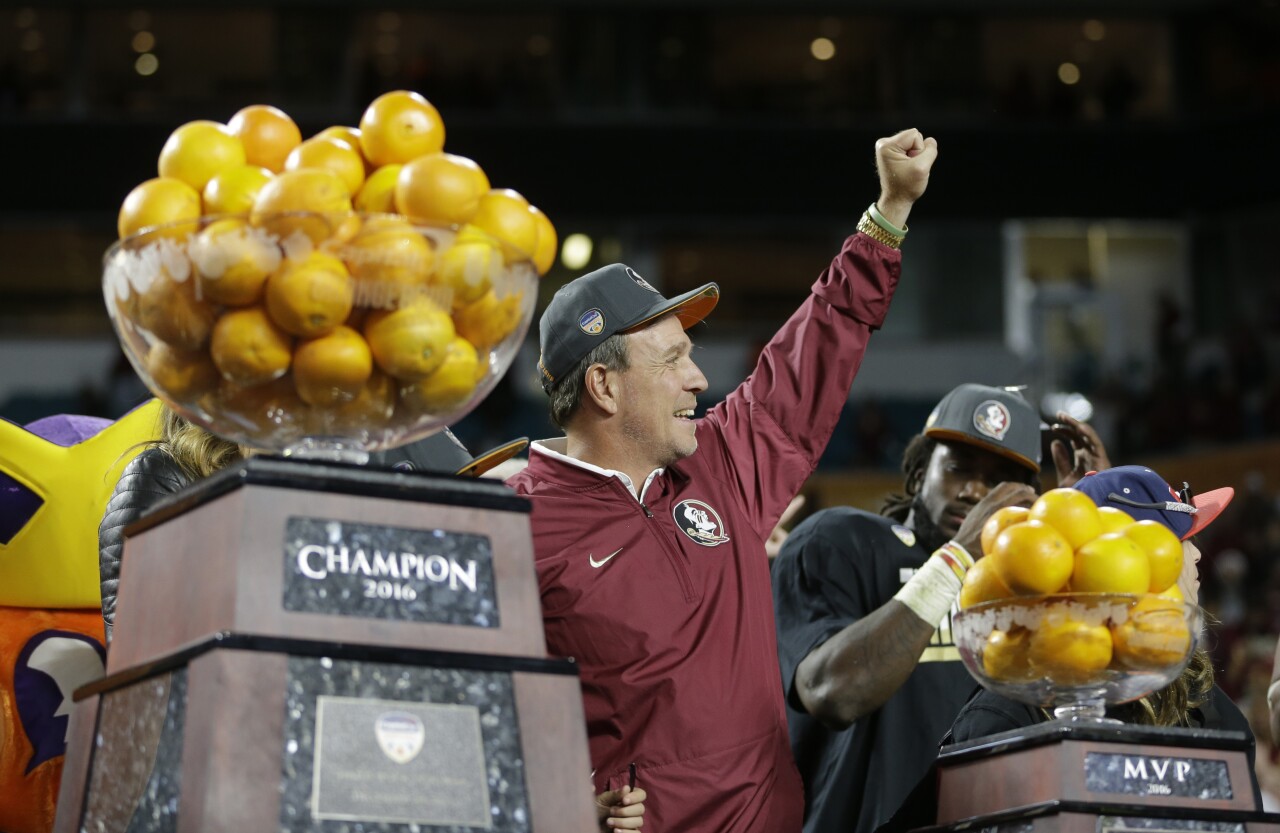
591,322
992,419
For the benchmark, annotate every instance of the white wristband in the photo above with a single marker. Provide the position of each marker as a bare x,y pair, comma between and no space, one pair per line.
931,591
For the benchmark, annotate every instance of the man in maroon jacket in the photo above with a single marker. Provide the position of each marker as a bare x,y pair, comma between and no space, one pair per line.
649,526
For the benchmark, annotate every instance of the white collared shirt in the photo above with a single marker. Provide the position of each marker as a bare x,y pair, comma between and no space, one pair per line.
556,448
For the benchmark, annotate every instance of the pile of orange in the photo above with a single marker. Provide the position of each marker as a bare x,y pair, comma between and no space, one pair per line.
358,272
1066,544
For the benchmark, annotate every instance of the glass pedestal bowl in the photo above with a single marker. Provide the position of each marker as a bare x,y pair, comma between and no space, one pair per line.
1077,653
314,335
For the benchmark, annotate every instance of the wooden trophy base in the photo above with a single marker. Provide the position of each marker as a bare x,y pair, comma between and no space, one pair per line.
1082,777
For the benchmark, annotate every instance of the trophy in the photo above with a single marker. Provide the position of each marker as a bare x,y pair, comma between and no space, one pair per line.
303,643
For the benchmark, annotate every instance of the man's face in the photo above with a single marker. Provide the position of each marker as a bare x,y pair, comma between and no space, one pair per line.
958,476
659,392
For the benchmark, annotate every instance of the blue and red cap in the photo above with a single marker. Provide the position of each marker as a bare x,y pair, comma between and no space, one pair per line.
1145,496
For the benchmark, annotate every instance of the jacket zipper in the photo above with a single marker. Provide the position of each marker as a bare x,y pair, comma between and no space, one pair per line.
656,530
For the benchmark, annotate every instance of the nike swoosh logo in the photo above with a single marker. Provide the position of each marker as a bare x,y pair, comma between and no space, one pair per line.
604,560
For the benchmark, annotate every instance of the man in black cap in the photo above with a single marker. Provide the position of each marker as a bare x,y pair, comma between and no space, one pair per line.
649,526
863,603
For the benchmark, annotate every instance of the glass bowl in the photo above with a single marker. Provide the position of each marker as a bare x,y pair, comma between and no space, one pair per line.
1077,653
319,335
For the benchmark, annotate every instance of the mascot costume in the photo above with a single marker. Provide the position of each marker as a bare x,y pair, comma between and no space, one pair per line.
56,476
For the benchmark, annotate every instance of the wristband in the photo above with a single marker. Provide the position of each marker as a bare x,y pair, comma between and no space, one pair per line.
880,220
933,589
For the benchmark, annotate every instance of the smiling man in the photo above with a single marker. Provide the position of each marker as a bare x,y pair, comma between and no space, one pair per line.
863,602
649,525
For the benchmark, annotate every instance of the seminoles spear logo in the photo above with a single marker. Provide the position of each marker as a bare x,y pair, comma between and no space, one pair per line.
992,418
700,522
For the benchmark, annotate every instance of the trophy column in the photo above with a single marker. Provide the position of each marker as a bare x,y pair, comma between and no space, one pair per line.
324,648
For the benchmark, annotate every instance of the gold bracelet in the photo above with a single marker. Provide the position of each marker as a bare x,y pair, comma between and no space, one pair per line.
875,231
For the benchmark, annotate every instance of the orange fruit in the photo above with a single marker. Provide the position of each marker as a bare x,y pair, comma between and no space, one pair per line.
411,342
233,260
505,214
1173,591
333,367
1072,513
1069,651
470,268
378,194
1005,656
316,190
200,150
1113,519
173,313
388,249
350,135
996,524
160,202
181,374
248,348
1032,557
234,190
332,155
267,133
1111,563
449,385
398,127
262,410
1154,635
310,296
982,584
489,320
1163,549
440,188
544,254
371,407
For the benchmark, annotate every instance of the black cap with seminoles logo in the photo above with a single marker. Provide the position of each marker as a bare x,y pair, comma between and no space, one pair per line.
996,419
613,299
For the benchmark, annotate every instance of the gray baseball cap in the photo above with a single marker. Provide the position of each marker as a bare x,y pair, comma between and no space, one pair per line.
612,299
996,419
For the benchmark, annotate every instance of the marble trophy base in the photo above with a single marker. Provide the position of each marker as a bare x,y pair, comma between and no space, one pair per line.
248,733
1095,778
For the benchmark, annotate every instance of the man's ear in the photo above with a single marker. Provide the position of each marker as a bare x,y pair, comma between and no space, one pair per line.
914,479
600,388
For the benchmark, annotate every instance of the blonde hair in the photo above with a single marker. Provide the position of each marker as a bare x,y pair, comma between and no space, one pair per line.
197,452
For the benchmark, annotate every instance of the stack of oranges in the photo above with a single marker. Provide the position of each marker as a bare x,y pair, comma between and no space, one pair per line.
1066,544
341,278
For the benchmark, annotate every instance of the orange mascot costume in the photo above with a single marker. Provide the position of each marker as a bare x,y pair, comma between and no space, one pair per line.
56,476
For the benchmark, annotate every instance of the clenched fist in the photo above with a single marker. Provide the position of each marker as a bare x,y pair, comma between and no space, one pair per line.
903,162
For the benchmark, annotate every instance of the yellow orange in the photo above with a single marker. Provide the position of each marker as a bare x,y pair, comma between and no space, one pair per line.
440,188
470,269
1154,635
1072,513
489,320
1005,657
310,296
267,133
333,367
449,385
1069,651
387,248
198,151
1163,549
505,215
264,409
996,524
982,584
248,348
544,253
1113,519
332,155
1111,563
181,374
233,260
1173,591
411,342
162,201
398,127
1032,557
172,312
378,194
371,407
234,190
316,190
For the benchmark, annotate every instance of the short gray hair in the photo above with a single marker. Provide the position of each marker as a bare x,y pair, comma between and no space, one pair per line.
566,394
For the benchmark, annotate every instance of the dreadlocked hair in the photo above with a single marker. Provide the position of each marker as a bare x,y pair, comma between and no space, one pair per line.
914,462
